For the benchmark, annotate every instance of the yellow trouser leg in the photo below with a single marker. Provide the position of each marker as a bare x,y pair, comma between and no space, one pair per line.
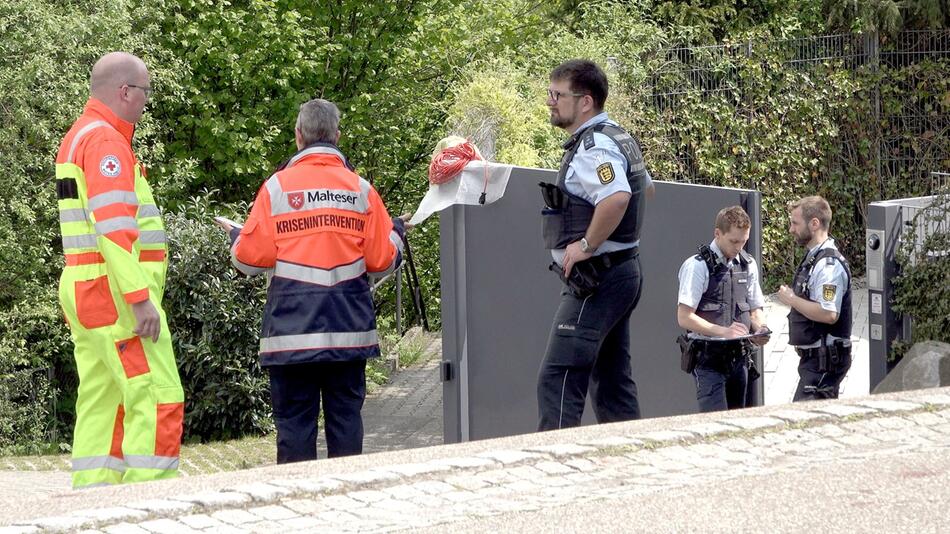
97,440
118,368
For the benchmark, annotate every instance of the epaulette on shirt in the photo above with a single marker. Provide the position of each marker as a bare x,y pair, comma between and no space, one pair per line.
745,257
589,139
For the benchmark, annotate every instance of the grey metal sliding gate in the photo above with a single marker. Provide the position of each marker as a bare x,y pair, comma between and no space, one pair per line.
498,300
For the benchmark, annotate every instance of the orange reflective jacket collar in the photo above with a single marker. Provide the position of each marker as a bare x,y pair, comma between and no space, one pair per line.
96,109
319,153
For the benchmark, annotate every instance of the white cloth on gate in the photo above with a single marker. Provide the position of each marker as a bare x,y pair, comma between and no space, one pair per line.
465,189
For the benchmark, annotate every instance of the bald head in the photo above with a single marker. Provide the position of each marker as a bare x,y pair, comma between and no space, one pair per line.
113,76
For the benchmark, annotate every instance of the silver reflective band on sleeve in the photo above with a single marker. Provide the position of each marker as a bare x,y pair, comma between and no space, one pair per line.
397,242
73,215
152,237
151,462
80,241
316,275
98,462
323,340
365,186
113,197
149,210
115,224
316,150
249,270
79,135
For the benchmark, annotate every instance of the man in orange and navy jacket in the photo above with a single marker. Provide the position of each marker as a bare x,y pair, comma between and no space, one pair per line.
318,230
130,403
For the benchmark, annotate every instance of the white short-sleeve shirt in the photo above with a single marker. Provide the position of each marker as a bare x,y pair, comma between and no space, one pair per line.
582,178
694,280
828,280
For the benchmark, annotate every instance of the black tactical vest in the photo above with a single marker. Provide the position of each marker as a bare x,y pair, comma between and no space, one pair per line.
567,223
801,329
726,298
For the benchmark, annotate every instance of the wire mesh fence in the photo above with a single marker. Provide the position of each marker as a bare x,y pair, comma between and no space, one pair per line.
908,129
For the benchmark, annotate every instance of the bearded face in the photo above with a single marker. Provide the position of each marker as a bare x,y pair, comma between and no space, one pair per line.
799,228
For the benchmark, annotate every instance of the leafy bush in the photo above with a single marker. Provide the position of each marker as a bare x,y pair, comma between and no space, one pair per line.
922,290
24,417
46,51
214,314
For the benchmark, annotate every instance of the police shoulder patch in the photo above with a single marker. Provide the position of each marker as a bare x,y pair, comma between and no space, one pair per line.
828,291
605,171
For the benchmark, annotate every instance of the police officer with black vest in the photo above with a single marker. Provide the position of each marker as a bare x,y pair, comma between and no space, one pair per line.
820,301
719,300
591,222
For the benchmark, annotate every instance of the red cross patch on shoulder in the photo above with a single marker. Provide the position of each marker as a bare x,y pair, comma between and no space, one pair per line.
110,166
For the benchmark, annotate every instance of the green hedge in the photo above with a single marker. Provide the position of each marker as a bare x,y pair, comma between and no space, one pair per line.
922,289
215,319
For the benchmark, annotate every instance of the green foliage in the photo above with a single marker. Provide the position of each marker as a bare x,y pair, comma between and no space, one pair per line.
504,108
697,22
214,314
922,290
404,73
24,416
886,16
46,52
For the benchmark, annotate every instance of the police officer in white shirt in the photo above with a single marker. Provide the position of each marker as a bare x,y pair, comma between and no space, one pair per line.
591,222
719,300
820,301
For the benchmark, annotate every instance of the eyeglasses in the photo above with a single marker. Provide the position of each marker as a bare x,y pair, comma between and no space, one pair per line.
147,90
555,95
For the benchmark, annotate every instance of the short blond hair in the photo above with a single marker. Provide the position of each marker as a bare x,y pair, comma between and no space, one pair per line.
732,217
813,207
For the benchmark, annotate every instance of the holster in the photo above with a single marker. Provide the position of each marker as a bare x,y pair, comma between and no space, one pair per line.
831,358
754,373
583,280
688,353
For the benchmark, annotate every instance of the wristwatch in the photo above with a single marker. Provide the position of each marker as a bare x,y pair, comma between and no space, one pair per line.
585,246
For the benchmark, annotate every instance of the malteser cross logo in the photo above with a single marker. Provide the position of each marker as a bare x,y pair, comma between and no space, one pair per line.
295,200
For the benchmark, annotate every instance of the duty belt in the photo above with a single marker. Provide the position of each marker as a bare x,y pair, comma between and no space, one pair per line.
722,349
607,260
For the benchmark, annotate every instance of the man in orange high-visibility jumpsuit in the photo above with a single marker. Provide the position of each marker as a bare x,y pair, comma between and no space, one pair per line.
130,402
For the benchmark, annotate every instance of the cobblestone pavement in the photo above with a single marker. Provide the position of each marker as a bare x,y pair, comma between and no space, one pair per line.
554,470
407,412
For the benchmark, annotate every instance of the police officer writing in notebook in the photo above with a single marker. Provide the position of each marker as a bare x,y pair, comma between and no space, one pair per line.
720,297
820,300
591,223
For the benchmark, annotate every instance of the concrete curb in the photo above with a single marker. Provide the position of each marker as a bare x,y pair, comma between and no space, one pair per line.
564,451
